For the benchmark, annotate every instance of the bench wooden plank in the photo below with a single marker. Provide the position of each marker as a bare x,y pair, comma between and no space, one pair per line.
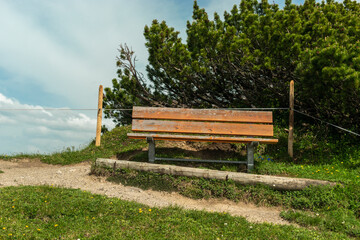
201,138
202,127
202,115
244,126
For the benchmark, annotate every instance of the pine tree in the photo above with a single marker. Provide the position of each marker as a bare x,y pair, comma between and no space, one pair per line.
248,59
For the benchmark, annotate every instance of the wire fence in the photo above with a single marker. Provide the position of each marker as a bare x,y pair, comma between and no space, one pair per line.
118,109
62,109
330,124
130,109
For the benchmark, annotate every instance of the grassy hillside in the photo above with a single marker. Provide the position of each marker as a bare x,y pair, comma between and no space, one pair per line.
55,213
328,210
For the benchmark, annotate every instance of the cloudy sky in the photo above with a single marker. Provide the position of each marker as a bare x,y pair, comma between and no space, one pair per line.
56,53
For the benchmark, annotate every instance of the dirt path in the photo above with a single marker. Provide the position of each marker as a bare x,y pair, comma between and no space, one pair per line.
32,172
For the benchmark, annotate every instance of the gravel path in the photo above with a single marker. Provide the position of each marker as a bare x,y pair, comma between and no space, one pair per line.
33,172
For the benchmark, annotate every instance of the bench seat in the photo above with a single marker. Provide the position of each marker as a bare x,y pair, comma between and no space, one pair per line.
197,138
202,125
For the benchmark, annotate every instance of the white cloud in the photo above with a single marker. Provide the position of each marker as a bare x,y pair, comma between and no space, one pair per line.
220,7
35,129
66,49
6,120
69,47
5,101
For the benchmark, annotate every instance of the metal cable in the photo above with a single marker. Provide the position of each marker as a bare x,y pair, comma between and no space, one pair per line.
61,109
130,109
118,109
333,125
250,108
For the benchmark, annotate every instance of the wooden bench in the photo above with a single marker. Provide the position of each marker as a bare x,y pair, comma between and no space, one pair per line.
209,125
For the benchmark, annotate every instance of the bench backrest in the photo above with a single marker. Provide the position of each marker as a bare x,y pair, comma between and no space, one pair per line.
202,121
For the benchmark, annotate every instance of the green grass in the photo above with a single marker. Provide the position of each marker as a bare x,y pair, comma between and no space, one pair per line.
327,209
1,171
336,172
113,143
326,160
57,213
337,220
20,156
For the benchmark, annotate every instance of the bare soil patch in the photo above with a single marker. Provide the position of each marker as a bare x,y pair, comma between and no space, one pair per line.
33,172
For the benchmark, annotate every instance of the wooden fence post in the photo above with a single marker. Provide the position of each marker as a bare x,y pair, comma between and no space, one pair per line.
291,121
99,117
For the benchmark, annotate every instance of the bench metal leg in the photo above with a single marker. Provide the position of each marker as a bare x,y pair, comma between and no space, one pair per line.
250,155
151,151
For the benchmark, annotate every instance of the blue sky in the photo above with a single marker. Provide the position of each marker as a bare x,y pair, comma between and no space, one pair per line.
55,54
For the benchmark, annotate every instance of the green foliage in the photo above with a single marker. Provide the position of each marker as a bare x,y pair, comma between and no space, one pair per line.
312,146
250,56
49,213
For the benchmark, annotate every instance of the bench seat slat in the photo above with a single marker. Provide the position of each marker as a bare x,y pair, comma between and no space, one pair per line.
220,128
202,115
201,138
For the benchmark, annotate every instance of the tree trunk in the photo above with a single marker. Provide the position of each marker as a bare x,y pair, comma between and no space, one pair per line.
279,183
